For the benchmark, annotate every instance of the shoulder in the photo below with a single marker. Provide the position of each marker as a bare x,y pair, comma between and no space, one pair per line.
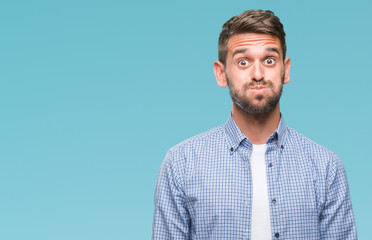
321,157
200,139
214,136
306,144
184,153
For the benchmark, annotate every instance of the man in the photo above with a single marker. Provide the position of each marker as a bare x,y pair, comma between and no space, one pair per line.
254,177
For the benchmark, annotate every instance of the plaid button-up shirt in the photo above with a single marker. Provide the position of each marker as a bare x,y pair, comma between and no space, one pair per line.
204,188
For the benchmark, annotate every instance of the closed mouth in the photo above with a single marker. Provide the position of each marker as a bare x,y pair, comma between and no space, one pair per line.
257,88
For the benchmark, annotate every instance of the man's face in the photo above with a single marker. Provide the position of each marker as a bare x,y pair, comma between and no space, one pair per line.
254,72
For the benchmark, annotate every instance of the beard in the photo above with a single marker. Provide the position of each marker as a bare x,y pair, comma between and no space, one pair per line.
247,105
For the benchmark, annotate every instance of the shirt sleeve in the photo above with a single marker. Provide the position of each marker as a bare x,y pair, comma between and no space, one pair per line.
337,218
171,218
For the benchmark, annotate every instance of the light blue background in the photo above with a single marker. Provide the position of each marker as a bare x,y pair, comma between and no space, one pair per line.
93,93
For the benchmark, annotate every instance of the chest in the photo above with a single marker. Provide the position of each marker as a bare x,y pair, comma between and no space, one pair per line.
220,187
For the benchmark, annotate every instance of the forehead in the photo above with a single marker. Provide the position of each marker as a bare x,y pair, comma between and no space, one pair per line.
251,41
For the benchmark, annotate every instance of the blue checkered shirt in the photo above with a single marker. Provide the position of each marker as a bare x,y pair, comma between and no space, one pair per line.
204,188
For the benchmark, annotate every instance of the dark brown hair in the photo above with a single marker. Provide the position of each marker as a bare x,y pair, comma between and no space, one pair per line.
251,21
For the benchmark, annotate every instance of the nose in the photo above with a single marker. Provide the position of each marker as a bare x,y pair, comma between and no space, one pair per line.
257,72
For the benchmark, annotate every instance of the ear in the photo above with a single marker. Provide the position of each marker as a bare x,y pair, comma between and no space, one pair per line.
219,72
287,67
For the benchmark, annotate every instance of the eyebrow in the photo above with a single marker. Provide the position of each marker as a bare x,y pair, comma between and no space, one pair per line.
273,49
243,50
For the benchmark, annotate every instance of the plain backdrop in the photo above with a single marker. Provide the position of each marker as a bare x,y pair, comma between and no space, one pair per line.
93,93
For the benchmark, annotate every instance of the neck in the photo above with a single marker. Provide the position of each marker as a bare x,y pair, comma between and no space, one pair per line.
257,128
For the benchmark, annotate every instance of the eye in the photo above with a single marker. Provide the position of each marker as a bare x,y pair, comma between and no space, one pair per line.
243,62
269,61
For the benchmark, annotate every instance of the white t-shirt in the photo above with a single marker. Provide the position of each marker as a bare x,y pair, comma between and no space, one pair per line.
260,222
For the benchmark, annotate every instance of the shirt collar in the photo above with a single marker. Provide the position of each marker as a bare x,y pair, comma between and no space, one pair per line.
234,136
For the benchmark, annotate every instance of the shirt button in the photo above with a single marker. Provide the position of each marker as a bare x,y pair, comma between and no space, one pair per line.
277,235
270,164
273,201
231,149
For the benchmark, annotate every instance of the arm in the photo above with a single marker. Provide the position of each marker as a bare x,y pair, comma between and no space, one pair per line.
171,218
337,218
